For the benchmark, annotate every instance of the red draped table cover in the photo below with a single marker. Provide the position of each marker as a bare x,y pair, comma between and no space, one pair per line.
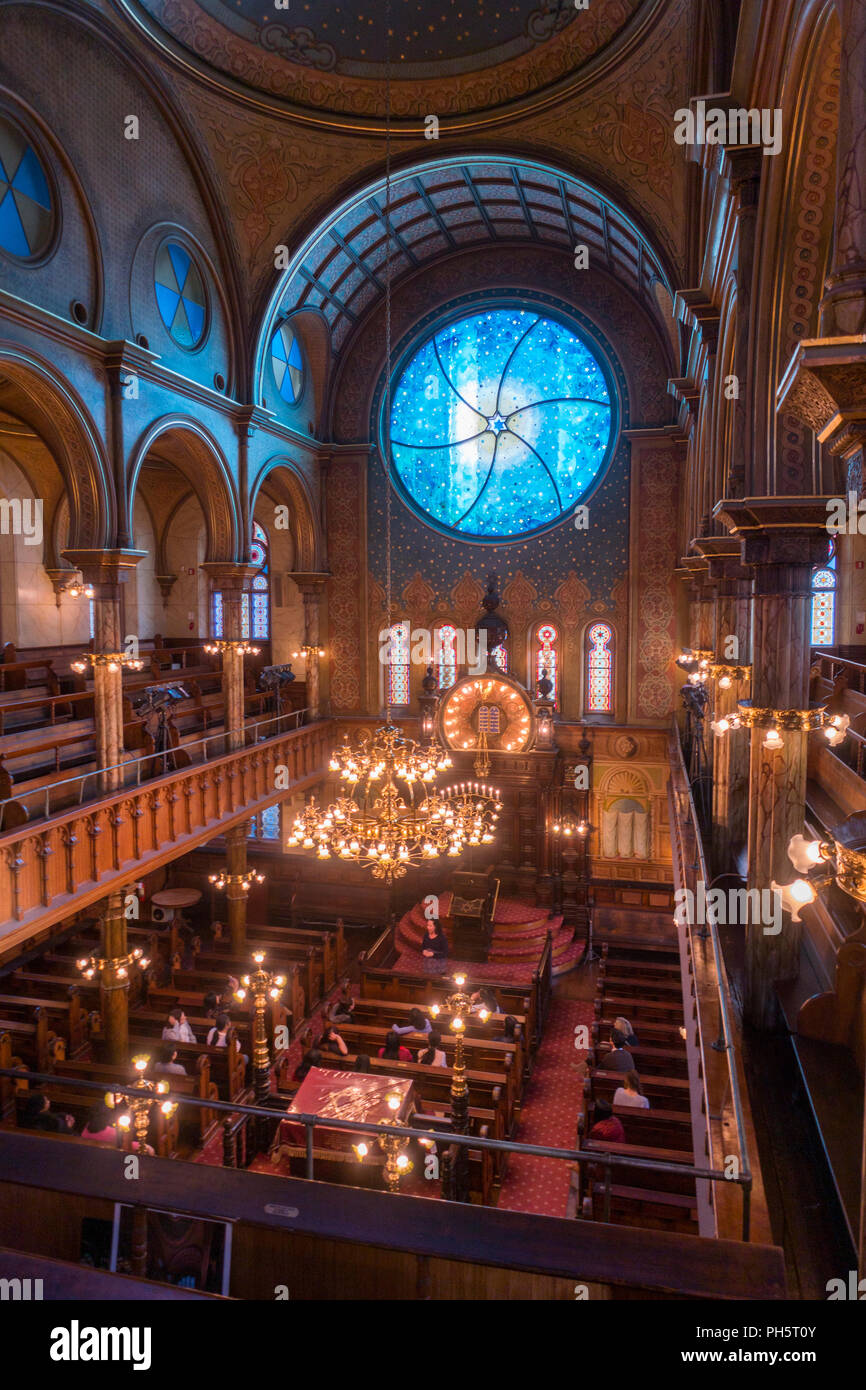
345,1095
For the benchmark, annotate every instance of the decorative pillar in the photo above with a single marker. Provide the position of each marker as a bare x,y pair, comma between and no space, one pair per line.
312,587
114,980
105,571
236,894
730,754
230,580
782,556
745,167
843,308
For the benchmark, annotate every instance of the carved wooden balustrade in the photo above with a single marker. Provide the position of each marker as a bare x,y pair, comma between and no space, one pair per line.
61,865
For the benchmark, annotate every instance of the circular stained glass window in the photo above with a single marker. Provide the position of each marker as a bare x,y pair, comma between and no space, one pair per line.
26,214
180,294
288,363
500,423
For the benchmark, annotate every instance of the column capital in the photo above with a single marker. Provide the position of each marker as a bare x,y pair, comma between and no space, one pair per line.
105,567
824,385
229,575
777,530
310,581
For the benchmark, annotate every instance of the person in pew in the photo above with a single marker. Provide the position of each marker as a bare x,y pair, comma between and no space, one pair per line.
330,1041
310,1059
362,1063
434,1054
630,1093
39,1115
417,1024
617,1059
434,947
484,998
624,1027
218,1035
343,1006
211,1005
168,1065
100,1127
509,1027
393,1050
177,1029
607,1125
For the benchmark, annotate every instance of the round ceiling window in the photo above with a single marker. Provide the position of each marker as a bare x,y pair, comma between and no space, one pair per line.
288,363
180,294
26,212
500,423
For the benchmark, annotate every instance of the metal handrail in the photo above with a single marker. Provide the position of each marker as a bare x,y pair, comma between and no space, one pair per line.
223,736
726,1035
598,1159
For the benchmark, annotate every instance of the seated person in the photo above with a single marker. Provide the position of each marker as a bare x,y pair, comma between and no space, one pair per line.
168,1063
509,1027
630,1093
417,1024
310,1059
177,1029
100,1127
362,1063
39,1115
484,998
393,1050
218,1035
434,1054
211,1005
623,1026
607,1125
617,1059
330,1041
342,1008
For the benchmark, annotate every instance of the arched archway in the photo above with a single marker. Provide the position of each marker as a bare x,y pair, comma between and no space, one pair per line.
180,443
287,488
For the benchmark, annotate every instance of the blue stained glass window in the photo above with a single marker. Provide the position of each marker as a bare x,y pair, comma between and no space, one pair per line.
288,363
824,603
500,423
255,606
26,215
180,294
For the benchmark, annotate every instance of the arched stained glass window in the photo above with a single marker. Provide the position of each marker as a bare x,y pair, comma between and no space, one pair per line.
824,605
180,294
445,656
500,656
397,668
256,605
599,669
287,363
546,638
500,423
26,212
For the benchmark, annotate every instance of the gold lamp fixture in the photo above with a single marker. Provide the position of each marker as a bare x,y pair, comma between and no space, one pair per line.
397,1163
243,881
110,661
148,1093
263,985
840,858
306,650
776,722
112,971
570,826
239,645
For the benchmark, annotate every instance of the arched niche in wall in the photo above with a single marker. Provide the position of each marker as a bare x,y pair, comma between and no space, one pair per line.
624,803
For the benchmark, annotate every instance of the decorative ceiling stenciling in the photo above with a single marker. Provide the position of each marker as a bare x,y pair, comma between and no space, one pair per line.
454,58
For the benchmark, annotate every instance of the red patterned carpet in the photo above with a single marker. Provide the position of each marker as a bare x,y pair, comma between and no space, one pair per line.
519,933
551,1105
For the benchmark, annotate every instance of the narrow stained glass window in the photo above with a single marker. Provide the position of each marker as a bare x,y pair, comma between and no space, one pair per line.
397,672
255,606
545,660
445,656
599,669
824,604
500,656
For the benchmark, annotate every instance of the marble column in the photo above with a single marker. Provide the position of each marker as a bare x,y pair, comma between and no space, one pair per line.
236,896
782,561
731,753
114,985
230,580
312,587
745,168
106,570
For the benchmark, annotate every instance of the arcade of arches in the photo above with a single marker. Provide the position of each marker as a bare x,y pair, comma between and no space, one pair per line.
504,378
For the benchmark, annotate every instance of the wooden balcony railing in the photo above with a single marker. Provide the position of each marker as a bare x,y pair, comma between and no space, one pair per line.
61,865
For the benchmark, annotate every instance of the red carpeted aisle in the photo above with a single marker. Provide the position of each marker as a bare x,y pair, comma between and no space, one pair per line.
551,1104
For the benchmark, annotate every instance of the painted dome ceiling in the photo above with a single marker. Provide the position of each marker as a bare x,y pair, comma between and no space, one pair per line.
449,57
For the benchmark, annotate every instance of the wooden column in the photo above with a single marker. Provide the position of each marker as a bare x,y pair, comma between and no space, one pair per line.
106,571
730,754
312,587
230,580
114,985
746,167
236,896
843,308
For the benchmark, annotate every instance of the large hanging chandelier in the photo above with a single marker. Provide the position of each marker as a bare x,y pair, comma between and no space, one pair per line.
391,816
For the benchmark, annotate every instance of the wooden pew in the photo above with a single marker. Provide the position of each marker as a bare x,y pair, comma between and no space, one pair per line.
292,1001
639,1010
278,958
226,1064
65,1014
199,1084
38,1047
331,943
649,1060
422,992
667,1092
388,1012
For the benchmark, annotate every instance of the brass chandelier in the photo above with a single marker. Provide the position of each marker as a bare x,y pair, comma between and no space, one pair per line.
391,816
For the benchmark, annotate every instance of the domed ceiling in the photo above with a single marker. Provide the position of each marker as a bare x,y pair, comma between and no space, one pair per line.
449,57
